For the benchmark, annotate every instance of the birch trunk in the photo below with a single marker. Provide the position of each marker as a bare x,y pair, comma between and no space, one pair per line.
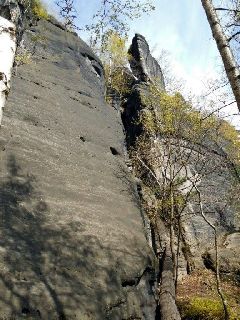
217,272
228,59
7,54
168,308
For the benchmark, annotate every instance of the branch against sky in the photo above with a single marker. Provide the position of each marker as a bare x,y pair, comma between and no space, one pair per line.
195,60
115,15
224,47
68,12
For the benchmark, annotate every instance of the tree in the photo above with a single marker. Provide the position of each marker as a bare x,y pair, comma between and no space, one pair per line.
7,53
68,12
229,61
114,56
114,15
217,272
172,83
178,152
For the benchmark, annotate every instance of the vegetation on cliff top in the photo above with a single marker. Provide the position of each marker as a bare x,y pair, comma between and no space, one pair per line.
37,8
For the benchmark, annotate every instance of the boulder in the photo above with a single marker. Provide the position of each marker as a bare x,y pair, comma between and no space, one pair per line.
229,256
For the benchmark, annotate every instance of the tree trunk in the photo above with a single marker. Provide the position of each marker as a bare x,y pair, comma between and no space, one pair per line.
228,59
217,272
168,308
7,53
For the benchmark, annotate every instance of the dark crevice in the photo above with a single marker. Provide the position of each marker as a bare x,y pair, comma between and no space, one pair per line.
85,55
25,311
158,314
114,151
132,131
134,282
98,71
207,261
85,94
129,283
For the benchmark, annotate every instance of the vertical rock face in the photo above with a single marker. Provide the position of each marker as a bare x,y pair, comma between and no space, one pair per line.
144,66
72,239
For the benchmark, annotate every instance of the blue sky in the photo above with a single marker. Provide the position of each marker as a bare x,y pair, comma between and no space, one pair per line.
178,26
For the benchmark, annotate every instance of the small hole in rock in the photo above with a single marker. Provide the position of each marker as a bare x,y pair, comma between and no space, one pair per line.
62,316
83,139
129,283
114,151
208,261
25,311
98,71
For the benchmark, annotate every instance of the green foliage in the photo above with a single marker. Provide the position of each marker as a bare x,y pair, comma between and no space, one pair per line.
175,137
23,58
231,137
171,115
36,38
114,15
37,8
198,298
199,308
114,56
203,308
68,12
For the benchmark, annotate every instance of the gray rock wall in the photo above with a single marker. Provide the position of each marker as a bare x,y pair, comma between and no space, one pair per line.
72,243
144,66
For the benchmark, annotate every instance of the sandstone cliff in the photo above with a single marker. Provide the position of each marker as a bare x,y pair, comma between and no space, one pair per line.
73,244
76,242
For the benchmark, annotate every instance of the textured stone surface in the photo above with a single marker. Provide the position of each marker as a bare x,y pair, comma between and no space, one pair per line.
229,254
144,66
72,244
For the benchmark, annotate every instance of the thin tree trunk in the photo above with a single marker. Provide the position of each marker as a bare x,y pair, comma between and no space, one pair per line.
222,42
172,246
7,53
168,308
217,274
172,233
177,255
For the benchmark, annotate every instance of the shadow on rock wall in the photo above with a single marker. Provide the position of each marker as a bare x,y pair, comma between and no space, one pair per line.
48,270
